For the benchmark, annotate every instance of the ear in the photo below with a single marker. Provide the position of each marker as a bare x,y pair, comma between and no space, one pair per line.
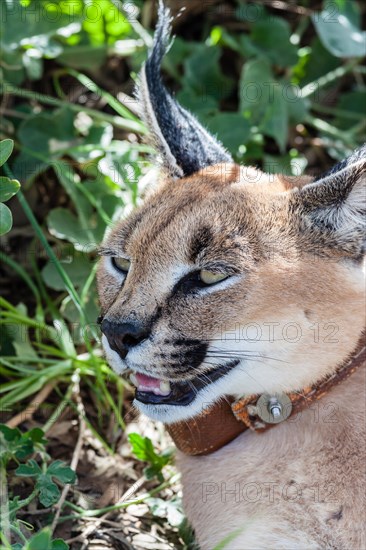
184,145
335,205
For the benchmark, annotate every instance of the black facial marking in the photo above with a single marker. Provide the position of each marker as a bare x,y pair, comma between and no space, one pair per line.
154,319
184,359
184,392
183,342
187,358
156,316
336,515
187,284
201,240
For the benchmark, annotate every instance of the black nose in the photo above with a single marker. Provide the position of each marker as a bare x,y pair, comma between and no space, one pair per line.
123,336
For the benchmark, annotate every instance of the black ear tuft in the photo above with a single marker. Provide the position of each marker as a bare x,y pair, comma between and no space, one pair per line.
185,146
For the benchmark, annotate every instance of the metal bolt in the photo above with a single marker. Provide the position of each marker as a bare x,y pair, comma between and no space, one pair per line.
274,407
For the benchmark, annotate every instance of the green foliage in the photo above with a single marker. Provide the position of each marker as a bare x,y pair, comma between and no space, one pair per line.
280,83
143,449
42,540
17,446
49,493
8,187
338,27
74,32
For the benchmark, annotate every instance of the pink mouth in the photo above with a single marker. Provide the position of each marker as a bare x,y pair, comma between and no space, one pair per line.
150,384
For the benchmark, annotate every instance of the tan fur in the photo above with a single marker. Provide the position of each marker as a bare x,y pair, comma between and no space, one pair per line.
290,275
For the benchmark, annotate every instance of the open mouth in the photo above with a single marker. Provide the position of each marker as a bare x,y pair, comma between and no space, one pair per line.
155,391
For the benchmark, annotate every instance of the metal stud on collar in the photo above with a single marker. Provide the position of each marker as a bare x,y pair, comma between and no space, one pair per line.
272,409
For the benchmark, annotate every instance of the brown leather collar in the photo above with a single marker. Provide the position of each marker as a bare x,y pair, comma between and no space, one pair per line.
221,423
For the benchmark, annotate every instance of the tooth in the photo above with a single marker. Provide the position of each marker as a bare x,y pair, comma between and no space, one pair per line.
165,387
134,379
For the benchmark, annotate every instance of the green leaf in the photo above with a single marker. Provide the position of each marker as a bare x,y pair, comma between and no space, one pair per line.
40,541
316,63
77,266
31,469
61,471
84,57
154,471
290,164
71,314
275,123
143,449
49,493
272,37
203,106
353,103
65,225
33,65
6,148
14,443
232,129
263,101
181,49
297,106
59,544
8,188
246,47
99,134
253,12
255,85
6,219
48,490
35,31
109,21
10,435
351,9
36,435
339,32
171,510
204,76
12,66
49,133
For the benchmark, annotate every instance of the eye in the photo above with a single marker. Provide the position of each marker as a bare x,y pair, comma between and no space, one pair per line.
121,264
210,278
196,280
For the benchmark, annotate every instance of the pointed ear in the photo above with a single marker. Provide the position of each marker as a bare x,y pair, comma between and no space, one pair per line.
335,205
184,145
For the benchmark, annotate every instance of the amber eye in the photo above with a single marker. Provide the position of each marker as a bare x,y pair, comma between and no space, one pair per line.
121,264
210,278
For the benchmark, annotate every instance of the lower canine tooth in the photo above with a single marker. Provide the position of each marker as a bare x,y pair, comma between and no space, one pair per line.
134,379
165,387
